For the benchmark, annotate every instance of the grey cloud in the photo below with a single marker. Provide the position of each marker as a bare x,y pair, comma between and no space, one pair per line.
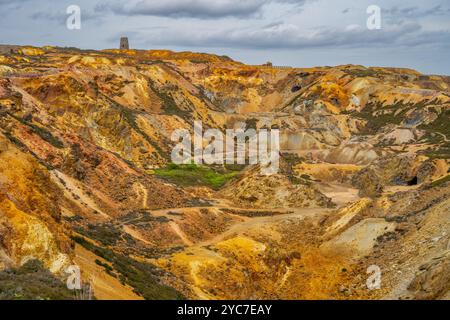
61,16
437,11
285,36
202,9
414,12
12,4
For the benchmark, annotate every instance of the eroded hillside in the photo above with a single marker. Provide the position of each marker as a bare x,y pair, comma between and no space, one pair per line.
86,178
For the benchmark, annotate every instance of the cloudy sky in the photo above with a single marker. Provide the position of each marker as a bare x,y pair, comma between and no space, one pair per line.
301,33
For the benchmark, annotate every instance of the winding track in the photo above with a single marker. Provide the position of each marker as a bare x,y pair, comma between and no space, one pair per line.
340,194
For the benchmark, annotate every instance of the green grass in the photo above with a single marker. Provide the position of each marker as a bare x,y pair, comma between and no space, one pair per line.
41,132
304,179
130,116
32,281
142,277
379,115
106,233
170,107
195,175
440,181
435,133
441,125
362,73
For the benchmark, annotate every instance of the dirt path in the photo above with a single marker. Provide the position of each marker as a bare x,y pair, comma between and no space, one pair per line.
443,136
221,205
251,223
135,234
143,192
197,255
394,189
72,190
339,194
176,228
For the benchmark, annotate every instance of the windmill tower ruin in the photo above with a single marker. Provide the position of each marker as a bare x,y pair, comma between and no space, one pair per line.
124,43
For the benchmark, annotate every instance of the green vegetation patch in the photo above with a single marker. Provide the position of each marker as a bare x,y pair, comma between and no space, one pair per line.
438,133
440,181
130,116
41,132
143,277
195,175
304,179
441,125
170,107
32,281
362,73
378,116
105,233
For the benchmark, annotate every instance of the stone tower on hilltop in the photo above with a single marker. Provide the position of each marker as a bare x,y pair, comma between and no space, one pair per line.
124,43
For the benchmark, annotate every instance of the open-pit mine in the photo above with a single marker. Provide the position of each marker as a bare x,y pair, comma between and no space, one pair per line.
359,207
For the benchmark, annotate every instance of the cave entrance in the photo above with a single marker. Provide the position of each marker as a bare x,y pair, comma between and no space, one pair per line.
412,182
